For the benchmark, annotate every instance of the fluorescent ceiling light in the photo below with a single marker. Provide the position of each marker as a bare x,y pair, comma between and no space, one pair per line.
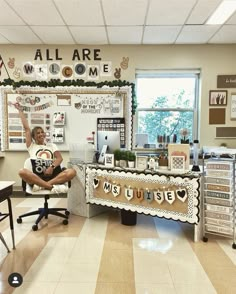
223,12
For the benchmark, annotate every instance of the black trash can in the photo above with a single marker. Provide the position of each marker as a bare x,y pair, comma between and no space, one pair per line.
128,218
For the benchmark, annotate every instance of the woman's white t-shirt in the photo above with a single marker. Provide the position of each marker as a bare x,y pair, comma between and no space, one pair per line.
42,151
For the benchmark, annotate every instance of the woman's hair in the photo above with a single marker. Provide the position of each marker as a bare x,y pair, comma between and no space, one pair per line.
34,131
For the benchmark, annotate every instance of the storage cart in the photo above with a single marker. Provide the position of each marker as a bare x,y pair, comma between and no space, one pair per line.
219,196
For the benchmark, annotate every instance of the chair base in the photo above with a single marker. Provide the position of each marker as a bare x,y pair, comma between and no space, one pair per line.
44,212
4,242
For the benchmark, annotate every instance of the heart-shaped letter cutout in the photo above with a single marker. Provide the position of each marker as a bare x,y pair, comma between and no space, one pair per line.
182,194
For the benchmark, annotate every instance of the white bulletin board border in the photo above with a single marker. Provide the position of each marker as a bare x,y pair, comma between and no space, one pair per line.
81,105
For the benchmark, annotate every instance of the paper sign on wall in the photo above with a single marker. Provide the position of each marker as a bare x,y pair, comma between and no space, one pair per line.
233,106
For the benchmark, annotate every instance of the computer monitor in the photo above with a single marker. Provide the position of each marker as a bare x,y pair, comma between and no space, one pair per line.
109,138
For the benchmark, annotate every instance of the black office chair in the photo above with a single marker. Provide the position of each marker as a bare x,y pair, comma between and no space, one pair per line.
4,242
45,210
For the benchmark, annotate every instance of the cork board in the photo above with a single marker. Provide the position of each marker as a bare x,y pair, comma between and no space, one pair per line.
216,116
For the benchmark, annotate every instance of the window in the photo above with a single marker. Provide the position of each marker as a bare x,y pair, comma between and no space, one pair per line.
167,105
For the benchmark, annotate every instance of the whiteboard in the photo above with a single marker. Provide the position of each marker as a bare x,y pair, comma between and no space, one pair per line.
67,115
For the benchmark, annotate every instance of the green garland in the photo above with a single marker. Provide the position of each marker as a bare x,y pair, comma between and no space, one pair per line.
76,83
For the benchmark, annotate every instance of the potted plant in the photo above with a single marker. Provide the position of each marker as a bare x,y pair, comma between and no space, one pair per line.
131,157
117,157
123,158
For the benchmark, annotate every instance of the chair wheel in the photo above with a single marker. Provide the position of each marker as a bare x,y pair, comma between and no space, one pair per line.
67,213
19,220
205,239
65,222
35,227
234,246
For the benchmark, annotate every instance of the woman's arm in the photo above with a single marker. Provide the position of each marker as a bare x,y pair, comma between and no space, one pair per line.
57,158
56,162
26,127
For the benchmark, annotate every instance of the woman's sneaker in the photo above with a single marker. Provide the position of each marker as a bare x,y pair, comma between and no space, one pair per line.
59,189
36,188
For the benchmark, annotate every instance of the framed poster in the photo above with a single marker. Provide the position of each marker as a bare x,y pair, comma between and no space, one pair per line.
217,97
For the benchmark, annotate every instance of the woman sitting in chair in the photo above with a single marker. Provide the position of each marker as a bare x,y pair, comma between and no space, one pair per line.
52,178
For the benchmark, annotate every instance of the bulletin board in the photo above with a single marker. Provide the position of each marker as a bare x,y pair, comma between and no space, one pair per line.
216,116
67,115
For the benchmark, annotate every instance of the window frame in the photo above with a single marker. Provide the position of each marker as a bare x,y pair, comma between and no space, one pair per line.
172,73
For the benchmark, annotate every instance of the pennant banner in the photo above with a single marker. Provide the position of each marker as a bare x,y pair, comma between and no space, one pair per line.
169,196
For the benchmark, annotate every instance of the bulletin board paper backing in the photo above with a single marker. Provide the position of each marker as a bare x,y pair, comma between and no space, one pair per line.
80,108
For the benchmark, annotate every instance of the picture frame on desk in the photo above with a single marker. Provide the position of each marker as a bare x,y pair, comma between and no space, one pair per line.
179,150
177,163
141,162
109,160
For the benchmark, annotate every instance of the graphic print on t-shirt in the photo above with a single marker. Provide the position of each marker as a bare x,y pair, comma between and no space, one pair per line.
44,153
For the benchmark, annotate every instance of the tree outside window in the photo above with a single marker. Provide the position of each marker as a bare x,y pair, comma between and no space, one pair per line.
167,105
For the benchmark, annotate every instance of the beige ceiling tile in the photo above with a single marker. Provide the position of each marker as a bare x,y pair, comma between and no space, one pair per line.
8,16
160,34
196,34
80,12
19,35
125,12
225,35
169,12
37,12
232,19
125,35
202,10
53,35
89,35
3,40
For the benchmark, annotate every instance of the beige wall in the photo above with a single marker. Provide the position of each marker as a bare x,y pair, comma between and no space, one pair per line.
212,60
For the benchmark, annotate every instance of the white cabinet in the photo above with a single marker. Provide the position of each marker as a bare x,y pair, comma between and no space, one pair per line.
76,200
219,198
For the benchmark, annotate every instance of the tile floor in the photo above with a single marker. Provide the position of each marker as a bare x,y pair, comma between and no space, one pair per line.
101,256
